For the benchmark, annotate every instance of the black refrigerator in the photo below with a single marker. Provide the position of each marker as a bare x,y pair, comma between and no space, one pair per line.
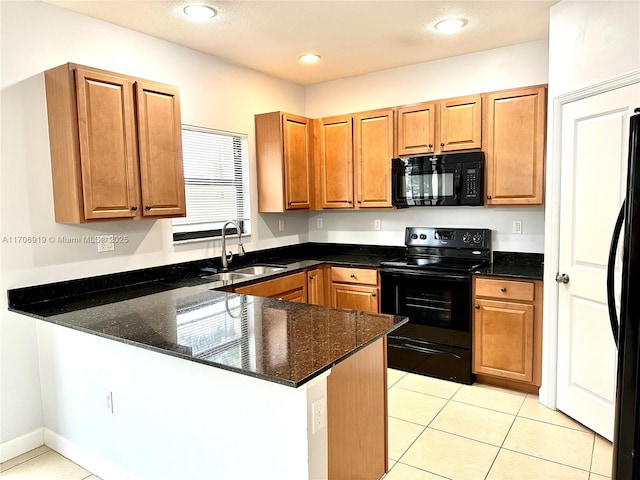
626,331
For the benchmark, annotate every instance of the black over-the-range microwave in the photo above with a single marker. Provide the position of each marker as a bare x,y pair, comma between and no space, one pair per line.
446,179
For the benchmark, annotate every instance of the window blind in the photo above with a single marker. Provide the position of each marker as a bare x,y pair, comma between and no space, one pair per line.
216,183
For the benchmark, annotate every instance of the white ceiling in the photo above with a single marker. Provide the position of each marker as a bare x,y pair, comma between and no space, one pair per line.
352,37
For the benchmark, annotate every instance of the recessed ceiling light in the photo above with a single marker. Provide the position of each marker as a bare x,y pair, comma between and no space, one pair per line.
199,12
310,58
451,25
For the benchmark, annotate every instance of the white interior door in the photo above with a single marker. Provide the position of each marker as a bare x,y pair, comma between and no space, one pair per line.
593,174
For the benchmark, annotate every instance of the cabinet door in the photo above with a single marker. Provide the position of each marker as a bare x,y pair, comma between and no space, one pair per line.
461,123
373,133
416,129
107,145
336,165
160,150
355,297
315,286
297,161
503,339
515,137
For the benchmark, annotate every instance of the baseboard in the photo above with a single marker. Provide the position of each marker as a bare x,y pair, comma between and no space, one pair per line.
20,445
87,459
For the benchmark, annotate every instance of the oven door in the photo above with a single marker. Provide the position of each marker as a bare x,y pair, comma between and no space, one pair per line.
438,305
425,183
437,339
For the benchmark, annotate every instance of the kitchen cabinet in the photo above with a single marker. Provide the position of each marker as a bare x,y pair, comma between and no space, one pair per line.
355,289
515,127
316,285
290,288
283,162
507,332
449,125
354,160
116,146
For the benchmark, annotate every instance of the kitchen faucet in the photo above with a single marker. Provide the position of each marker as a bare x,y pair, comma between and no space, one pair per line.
226,260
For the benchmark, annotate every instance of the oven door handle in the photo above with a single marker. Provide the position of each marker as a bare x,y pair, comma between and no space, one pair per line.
427,350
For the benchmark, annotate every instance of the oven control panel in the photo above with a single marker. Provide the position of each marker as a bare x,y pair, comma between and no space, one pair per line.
465,238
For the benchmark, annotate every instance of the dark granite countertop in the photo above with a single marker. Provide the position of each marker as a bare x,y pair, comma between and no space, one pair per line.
283,342
173,310
524,266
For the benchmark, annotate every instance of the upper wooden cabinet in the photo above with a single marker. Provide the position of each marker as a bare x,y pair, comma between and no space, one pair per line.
373,151
116,148
335,161
283,160
515,127
448,125
354,160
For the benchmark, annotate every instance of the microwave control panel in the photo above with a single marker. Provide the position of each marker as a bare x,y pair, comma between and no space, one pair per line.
471,183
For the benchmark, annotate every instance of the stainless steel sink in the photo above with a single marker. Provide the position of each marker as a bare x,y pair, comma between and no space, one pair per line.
216,277
259,269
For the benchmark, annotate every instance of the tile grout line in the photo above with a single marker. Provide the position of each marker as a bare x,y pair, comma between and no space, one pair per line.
28,460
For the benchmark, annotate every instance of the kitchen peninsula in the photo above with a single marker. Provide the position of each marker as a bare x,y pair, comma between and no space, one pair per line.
163,380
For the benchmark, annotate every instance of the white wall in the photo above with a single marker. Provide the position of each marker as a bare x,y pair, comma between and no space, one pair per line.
37,36
509,67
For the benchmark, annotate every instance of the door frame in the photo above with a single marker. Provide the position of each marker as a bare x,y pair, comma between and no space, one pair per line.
548,389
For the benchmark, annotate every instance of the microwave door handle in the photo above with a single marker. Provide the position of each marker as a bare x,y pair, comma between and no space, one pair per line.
457,180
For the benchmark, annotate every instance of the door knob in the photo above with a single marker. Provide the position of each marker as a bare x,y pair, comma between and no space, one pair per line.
562,278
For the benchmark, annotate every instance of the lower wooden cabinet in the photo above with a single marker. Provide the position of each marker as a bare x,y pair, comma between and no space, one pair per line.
507,331
316,294
355,289
291,288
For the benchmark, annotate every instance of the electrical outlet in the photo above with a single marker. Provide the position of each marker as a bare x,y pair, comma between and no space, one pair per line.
517,227
281,225
105,243
319,222
108,400
377,224
318,416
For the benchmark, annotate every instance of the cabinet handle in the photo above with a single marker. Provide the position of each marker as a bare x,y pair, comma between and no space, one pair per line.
477,307
134,208
503,289
148,207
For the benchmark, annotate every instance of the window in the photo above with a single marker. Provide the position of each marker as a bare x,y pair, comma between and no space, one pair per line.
216,183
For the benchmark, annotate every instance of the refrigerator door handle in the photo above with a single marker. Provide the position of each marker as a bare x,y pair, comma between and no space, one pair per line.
611,268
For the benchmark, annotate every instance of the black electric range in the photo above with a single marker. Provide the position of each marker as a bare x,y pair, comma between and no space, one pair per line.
432,286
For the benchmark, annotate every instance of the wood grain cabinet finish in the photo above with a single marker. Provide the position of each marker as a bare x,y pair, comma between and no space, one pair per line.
507,330
291,288
354,160
355,289
515,128
284,163
449,125
115,141
335,161
316,284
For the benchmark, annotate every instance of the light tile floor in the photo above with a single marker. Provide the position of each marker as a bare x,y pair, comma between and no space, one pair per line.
440,430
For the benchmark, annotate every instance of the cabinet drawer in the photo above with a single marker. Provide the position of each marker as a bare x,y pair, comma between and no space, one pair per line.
276,287
507,289
362,276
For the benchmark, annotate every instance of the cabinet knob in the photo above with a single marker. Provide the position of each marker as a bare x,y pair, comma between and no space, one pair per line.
311,278
359,201
352,275
431,145
148,207
373,294
290,203
477,307
350,202
134,208
442,144
488,197
503,289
